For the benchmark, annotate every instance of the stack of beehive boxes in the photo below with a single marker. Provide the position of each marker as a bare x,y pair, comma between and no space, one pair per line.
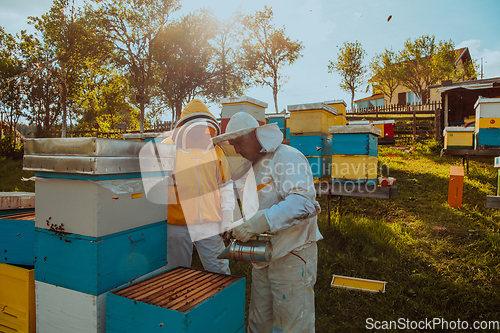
309,134
233,105
487,126
355,154
95,229
17,286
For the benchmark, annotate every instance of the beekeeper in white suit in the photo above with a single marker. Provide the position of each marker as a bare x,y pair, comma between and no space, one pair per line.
282,297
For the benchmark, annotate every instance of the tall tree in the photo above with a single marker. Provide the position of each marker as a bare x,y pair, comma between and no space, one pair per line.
416,70
350,66
70,34
12,84
134,26
424,62
267,50
43,93
231,79
195,58
384,73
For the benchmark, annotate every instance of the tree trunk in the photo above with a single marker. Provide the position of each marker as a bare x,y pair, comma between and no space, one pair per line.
275,93
64,93
141,124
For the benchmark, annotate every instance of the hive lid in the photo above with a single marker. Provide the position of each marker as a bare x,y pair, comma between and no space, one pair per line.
457,129
485,101
312,106
353,129
83,147
243,99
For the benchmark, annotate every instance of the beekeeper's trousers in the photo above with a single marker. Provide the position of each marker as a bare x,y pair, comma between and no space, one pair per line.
180,249
282,298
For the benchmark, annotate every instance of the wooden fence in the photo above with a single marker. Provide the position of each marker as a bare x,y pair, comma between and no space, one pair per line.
413,121
160,126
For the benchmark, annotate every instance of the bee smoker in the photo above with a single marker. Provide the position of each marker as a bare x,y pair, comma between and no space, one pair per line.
258,248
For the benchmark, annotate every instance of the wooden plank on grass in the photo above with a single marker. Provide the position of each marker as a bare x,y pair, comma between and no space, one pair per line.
492,202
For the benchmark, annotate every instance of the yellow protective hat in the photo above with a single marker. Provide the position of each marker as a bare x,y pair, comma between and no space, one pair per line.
197,110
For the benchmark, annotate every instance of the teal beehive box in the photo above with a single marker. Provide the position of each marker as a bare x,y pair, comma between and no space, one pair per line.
17,232
355,139
179,300
313,145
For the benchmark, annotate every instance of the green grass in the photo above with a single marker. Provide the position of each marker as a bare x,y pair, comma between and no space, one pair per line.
438,262
11,174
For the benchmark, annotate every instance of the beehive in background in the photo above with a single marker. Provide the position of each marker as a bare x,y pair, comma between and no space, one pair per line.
309,134
387,127
311,119
355,139
458,137
455,186
233,105
17,299
282,120
487,126
340,106
95,228
178,300
355,153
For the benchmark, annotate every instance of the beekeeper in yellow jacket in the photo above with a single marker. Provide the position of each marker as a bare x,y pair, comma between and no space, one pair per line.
201,199
282,296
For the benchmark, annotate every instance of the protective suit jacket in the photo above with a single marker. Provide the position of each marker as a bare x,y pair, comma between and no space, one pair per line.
285,190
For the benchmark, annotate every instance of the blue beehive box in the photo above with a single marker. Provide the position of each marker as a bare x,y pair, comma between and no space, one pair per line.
315,145
355,144
487,138
321,166
355,139
179,300
94,265
281,120
17,233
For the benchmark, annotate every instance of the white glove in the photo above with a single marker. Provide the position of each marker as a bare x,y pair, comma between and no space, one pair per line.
256,225
226,224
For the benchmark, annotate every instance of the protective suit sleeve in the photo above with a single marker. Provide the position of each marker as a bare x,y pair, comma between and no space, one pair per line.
294,182
291,211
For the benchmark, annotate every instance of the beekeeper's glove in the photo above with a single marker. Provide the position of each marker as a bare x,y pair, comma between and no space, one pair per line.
256,225
226,224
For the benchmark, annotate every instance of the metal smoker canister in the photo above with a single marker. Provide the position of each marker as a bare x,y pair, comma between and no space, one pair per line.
251,251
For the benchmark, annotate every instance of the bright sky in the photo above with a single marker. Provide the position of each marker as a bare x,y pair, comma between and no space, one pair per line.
324,25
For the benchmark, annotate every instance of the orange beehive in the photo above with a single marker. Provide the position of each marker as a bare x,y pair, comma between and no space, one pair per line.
456,186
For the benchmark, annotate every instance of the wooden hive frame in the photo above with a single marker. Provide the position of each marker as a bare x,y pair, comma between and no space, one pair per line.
179,289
